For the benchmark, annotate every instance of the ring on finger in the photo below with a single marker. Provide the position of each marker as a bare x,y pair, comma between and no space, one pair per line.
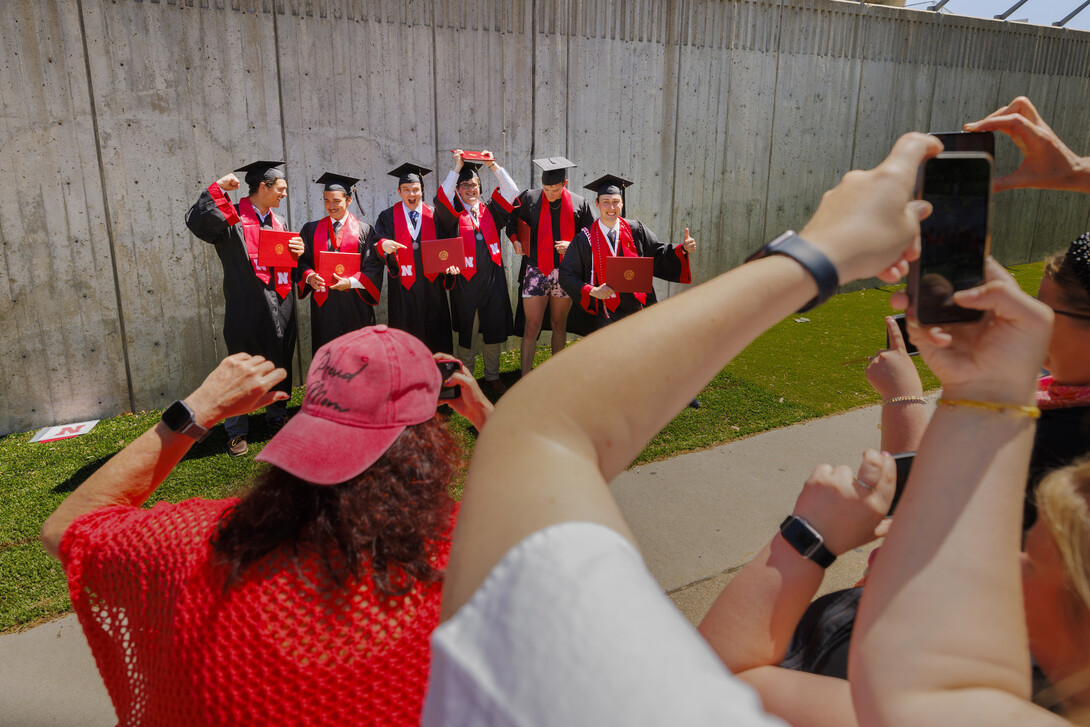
864,485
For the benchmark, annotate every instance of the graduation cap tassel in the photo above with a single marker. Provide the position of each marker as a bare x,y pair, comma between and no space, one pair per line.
358,205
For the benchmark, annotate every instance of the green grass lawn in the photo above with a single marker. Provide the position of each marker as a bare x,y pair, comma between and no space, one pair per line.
807,366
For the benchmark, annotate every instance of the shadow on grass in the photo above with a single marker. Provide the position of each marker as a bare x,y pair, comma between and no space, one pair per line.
214,444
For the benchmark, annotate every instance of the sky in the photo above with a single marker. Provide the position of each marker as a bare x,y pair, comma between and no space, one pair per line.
1041,12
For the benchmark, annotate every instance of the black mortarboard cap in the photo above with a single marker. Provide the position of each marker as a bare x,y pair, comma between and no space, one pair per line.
469,171
260,171
409,173
337,183
554,170
608,184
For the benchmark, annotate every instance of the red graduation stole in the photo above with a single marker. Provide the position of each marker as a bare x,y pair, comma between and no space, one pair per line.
405,259
348,241
545,230
251,232
467,231
600,250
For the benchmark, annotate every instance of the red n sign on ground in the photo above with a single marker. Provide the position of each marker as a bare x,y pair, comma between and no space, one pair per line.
64,431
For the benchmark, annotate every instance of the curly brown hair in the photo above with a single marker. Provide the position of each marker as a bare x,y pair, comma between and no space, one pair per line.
1073,292
384,523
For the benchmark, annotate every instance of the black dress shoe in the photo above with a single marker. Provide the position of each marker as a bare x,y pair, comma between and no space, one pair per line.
276,423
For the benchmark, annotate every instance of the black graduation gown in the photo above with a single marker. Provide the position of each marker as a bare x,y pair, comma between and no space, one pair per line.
256,319
529,211
343,310
422,310
485,294
575,271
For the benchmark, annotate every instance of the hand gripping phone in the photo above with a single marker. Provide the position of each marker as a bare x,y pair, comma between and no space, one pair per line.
448,369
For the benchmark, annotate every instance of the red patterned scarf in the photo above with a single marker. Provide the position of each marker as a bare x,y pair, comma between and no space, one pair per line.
1051,395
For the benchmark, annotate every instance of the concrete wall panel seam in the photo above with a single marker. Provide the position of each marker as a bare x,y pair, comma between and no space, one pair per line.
109,215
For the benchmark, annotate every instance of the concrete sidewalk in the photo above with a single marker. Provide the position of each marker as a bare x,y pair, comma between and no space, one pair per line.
698,518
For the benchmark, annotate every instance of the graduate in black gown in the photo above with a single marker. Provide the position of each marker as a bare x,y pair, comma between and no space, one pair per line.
551,217
479,298
612,236
345,303
415,303
259,311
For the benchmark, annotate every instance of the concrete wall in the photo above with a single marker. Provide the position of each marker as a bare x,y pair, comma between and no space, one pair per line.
733,118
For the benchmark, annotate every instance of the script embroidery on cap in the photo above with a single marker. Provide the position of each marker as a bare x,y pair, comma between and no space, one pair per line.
316,393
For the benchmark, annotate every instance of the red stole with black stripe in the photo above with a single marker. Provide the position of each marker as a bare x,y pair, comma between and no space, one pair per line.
251,234
402,235
545,230
599,246
468,232
347,241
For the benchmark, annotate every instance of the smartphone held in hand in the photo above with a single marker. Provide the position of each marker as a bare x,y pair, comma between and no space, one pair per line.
902,324
448,369
904,462
967,141
955,239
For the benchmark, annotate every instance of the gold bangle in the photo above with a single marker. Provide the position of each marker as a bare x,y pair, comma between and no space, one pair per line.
905,400
1015,409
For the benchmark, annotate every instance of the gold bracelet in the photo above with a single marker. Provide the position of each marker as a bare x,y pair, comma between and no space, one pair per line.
1017,410
905,400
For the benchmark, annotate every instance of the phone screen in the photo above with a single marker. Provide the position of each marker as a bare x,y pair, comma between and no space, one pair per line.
902,323
446,370
967,141
955,238
904,462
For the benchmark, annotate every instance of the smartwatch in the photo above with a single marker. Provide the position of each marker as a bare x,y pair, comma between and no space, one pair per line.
179,419
801,536
815,262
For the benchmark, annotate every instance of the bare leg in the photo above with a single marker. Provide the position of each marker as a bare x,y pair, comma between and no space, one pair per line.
534,309
558,319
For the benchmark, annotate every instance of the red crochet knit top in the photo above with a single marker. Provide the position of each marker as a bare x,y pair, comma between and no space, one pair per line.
281,646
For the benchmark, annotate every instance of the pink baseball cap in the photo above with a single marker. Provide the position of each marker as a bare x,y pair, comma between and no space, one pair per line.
363,389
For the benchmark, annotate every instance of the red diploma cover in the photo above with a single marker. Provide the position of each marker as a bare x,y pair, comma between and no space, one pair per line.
345,264
272,249
438,255
630,274
475,156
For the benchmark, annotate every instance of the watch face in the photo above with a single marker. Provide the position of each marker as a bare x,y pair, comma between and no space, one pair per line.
802,537
177,415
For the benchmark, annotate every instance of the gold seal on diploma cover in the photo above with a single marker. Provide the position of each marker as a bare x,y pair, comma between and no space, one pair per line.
339,269
279,248
629,274
443,254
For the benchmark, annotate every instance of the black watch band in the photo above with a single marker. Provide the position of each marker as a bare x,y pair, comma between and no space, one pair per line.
179,419
801,536
815,262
